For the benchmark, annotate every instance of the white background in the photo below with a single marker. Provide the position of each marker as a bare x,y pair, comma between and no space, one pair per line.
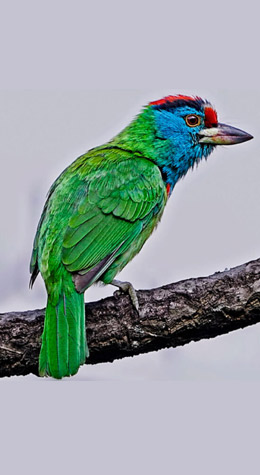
72,76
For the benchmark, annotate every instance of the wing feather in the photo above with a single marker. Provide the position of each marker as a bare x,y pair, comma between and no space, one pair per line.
113,212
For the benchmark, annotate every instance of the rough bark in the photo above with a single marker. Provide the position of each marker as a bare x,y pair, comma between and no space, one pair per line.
172,315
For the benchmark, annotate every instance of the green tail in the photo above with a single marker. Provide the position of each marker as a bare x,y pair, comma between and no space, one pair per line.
64,346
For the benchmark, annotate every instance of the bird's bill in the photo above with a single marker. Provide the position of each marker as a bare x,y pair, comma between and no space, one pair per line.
223,135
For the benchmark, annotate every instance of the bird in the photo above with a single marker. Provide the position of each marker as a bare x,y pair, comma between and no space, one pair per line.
103,207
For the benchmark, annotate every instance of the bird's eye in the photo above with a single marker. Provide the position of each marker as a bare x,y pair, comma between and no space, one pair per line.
192,120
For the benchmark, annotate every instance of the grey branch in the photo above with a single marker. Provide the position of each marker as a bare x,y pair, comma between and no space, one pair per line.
172,315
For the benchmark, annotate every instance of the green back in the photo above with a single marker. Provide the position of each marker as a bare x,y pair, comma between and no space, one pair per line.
99,208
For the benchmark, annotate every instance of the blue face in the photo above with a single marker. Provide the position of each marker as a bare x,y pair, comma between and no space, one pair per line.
180,127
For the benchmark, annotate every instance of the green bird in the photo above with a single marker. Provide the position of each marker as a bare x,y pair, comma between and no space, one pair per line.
103,207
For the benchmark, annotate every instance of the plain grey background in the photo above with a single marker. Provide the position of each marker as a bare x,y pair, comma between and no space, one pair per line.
72,75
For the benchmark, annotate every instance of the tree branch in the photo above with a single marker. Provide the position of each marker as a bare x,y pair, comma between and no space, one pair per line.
172,315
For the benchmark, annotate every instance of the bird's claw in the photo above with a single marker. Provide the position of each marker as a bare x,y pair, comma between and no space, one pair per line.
127,287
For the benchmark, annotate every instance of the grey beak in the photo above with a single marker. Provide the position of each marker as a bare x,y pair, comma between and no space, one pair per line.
223,135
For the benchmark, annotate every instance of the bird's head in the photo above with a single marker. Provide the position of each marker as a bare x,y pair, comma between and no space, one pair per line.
191,126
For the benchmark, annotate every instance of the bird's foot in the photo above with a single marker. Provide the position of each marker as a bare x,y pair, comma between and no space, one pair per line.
127,287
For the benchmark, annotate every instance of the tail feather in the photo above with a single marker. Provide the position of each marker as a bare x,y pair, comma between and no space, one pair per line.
64,346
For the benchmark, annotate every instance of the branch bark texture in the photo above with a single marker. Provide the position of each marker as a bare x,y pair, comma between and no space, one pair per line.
172,315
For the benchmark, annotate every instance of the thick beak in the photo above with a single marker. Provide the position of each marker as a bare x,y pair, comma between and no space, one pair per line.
223,135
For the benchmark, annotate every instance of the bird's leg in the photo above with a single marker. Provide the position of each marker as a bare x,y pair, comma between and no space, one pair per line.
127,288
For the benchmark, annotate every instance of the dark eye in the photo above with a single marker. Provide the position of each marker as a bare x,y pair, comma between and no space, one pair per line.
192,120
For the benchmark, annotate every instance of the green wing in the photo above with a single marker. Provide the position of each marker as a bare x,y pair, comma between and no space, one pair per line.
122,198
34,268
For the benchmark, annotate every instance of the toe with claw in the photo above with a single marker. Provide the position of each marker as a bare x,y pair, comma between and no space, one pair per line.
127,287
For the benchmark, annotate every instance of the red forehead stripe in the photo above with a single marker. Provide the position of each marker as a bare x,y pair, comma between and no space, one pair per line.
172,99
211,117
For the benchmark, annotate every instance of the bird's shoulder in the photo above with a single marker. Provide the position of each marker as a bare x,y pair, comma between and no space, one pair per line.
120,200
107,171
114,178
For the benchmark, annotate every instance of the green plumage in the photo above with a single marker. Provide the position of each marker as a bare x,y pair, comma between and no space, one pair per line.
104,206
63,341
98,214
